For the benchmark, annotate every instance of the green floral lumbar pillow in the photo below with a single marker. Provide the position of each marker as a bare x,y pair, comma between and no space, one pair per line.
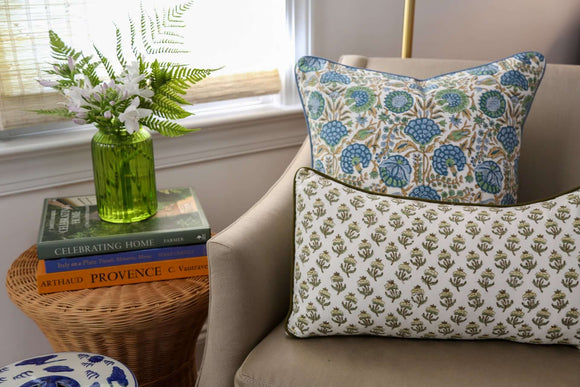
454,137
389,266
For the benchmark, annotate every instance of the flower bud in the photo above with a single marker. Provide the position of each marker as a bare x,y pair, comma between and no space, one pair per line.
71,64
46,83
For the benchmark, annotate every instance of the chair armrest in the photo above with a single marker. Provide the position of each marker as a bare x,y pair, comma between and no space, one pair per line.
250,267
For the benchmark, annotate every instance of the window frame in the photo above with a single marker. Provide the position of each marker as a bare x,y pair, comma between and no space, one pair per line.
33,161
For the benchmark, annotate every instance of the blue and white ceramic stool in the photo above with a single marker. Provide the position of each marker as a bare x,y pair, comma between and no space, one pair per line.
67,369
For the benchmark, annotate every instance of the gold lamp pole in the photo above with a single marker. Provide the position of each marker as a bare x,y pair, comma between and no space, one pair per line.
408,17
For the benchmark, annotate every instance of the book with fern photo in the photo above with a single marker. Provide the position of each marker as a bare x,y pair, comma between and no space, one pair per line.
71,227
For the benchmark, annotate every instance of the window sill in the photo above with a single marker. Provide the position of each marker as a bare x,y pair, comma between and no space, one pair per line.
31,163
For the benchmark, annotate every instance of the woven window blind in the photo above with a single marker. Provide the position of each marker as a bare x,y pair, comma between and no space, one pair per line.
249,55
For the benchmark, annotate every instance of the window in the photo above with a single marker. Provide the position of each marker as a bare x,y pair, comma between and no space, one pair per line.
249,38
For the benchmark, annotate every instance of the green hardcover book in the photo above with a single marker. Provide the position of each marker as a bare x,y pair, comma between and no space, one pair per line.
71,226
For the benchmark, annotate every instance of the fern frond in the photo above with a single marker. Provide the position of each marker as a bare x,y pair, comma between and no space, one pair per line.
157,77
167,41
168,108
172,94
150,50
172,80
143,28
89,70
191,75
84,61
157,33
132,36
176,14
173,87
132,32
173,34
59,112
119,47
152,28
166,128
158,21
165,26
59,50
161,24
106,63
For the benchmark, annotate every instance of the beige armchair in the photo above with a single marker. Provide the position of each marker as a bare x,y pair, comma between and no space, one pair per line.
251,261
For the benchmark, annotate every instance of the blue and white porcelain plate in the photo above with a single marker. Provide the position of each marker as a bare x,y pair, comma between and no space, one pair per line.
67,369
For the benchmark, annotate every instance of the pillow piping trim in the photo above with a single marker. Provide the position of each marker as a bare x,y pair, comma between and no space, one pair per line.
416,80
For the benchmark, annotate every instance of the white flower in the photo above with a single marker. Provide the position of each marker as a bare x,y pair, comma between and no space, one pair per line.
130,117
130,80
74,97
71,64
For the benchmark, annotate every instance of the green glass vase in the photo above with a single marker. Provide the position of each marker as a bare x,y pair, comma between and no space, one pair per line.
124,171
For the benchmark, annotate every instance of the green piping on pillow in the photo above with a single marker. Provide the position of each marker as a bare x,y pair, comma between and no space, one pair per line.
378,264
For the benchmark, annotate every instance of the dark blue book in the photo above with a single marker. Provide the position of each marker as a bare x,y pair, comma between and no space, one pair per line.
124,258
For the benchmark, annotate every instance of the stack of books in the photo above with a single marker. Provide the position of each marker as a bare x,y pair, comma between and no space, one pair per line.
77,250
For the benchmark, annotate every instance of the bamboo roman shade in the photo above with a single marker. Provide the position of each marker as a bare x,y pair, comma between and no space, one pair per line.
25,54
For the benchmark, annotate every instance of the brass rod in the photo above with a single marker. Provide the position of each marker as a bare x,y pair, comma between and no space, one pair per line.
408,16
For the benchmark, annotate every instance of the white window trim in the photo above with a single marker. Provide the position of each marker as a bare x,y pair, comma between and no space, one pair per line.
34,162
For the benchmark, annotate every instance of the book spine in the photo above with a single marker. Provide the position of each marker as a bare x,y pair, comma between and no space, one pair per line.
119,275
112,244
124,258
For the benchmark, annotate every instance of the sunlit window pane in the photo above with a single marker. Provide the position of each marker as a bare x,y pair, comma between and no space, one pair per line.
246,38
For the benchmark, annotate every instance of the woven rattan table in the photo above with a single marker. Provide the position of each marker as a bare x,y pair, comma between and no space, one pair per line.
151,327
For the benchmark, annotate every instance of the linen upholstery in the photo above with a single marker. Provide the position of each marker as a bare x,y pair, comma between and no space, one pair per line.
243,310
245,306
367,361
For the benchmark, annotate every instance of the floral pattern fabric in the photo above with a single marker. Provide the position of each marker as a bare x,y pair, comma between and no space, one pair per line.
458,134
388,266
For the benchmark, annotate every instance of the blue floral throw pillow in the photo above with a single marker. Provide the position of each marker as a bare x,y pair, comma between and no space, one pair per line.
454,137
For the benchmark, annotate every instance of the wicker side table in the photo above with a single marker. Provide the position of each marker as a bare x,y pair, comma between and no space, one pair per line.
151,327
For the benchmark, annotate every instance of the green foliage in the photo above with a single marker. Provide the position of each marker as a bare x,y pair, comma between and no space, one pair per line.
59,112
74,63
106,63
60,51
168,80
166,128
149,37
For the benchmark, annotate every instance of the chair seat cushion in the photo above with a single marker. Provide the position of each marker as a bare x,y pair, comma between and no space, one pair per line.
280,360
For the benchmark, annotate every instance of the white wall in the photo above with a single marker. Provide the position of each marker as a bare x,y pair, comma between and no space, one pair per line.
227,187
459,29
466,29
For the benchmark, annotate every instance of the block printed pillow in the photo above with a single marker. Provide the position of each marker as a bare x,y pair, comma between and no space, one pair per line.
454,137
389,266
